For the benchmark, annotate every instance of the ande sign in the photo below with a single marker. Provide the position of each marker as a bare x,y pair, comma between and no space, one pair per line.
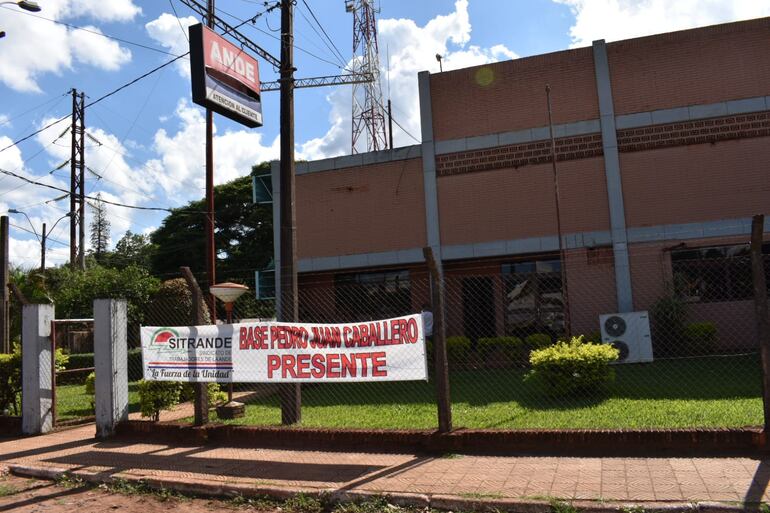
225,79
275,352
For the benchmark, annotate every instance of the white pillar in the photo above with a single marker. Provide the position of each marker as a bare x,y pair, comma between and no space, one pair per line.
37,383
110,359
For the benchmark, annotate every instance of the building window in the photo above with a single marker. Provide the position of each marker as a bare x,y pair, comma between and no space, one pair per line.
371,296
533,299
713,274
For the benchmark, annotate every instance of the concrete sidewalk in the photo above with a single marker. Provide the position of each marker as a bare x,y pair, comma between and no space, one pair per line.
451,481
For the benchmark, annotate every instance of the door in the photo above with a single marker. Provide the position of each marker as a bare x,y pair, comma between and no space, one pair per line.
478,308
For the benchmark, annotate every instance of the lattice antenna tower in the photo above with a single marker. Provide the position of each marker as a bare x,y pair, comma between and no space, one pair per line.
368,110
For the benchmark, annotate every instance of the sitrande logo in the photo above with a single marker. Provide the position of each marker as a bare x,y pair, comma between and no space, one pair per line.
161,337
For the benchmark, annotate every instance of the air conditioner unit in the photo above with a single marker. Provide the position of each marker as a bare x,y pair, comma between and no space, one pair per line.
630,334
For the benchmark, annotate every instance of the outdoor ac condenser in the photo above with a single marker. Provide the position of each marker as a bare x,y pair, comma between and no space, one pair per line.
629,333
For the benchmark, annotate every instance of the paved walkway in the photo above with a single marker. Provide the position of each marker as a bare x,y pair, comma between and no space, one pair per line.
532,478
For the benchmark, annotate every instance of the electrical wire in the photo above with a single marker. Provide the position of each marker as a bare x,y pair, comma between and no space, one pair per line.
339,54
32,109
184,32
104,97
76,27
47,237
115,203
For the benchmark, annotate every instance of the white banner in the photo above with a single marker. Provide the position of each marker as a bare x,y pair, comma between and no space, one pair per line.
276,352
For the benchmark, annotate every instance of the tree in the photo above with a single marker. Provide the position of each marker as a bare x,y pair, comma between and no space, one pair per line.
243,234
132,249
100,228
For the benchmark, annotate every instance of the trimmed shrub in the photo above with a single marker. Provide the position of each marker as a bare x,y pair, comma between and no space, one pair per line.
457,349
10,381
155,396
91,384
134,364
667,322
701,337
80,360
507,349
574,367
171,305
538,341
214,391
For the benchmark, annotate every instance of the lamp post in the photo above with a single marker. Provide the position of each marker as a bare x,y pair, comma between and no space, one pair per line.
45,234
26,5
228,293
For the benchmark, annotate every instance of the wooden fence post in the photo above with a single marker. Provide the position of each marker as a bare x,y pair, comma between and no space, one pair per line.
201,401
439,343
760,309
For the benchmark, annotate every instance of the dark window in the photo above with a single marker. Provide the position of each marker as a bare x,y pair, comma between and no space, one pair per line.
533,297
370,296
717,273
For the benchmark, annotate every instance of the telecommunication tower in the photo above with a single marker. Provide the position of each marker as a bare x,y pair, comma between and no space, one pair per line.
368,110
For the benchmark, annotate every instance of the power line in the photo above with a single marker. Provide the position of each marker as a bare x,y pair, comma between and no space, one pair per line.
49,125
115,203
339,54
47,238
76,27
184,32
8,120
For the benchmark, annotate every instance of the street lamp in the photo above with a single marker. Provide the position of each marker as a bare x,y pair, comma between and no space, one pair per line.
45,234
26,5
228,293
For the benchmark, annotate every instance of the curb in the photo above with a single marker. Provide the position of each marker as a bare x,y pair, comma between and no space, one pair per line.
422,501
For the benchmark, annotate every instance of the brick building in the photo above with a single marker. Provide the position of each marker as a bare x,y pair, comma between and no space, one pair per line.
663,147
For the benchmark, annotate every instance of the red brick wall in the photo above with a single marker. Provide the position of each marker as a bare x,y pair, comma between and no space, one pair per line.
515,98
708,65
591,286
519,203
702,182
361,210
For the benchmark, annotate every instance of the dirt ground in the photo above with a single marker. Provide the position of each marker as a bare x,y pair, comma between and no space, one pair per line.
30,495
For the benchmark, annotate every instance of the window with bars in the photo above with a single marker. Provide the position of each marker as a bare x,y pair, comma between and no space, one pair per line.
372,295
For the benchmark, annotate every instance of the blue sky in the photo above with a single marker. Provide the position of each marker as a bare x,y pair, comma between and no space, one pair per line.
147,140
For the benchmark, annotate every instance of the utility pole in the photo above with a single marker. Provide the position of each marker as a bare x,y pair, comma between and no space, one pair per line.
211,252
42,250
78,182
5,343
291,393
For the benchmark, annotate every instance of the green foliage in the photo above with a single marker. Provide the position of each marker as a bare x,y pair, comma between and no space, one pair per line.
75,290
457,349
91,384
134,364
132,249
60,359
155,396
701,338
510,349
668,316
574,367
80,360
10,381
214,391
171,305
538,341
244,233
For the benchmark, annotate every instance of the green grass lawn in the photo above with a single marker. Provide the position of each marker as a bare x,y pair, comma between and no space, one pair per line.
695,392
72,402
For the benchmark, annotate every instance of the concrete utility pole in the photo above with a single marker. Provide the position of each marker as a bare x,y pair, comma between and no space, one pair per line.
291,394
78,183
211,252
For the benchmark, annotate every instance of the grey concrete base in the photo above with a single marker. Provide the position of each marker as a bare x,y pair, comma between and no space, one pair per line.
37,382
110,359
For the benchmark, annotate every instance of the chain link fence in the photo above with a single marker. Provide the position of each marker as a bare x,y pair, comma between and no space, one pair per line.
688,359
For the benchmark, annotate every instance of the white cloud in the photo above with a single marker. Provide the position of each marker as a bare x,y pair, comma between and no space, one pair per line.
166,30
34,47
412,49
92,49
623,19
180,168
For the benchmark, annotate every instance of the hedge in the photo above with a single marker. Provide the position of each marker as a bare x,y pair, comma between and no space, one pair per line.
574,367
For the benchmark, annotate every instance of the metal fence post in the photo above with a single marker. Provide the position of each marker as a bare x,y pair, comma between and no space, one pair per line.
110,362
760,310
439,343
37,361
201,401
